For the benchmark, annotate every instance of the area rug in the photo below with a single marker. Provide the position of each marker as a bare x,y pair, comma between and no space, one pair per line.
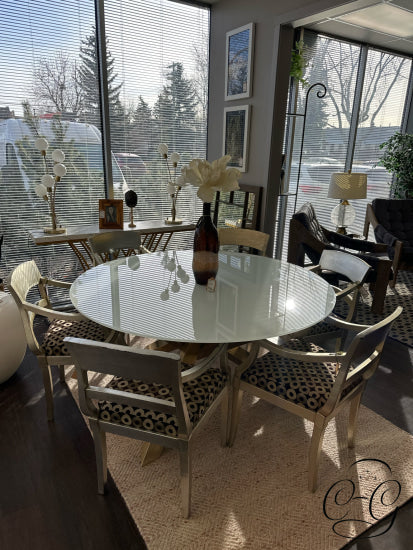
254,495
401,295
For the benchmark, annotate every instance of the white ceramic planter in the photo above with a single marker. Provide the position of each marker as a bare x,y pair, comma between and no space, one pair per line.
12,337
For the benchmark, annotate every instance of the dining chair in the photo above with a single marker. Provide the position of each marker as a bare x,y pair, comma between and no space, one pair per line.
309,382
111,245
52,350
245,238
151,398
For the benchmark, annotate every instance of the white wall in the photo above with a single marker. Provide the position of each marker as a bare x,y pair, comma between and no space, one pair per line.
264,143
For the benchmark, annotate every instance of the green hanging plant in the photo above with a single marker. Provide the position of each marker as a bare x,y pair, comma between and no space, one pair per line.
299,63
398,159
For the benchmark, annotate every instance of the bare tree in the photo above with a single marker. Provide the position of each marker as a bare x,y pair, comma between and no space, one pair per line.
56,83
200,80
340,64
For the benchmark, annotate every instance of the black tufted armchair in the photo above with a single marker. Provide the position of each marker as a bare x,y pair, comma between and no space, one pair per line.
392,223
308,237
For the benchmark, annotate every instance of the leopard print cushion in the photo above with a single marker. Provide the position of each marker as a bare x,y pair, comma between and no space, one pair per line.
199,394
61,328
305,384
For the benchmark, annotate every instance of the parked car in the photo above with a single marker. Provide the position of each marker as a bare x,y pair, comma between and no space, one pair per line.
132,165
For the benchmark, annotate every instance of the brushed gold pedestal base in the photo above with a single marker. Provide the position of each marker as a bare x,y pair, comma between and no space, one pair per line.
170,221
51,231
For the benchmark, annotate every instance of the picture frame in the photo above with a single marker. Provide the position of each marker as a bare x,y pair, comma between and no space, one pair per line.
110,214
235,137
239,52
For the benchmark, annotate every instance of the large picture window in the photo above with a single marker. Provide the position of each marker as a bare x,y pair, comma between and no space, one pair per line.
157,89
363,107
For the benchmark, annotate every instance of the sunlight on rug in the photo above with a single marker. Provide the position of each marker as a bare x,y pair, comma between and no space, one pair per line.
254,495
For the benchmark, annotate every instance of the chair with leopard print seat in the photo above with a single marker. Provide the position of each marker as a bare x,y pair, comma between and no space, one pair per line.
305,380
150,398
52,350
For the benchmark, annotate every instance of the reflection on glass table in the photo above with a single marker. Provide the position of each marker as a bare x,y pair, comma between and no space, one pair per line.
255,298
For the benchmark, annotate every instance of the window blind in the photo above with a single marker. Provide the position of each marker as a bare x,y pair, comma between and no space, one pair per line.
326,142
157,63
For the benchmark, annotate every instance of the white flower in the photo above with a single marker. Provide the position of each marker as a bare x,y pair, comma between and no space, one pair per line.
58,155
41,190
48,180
211,177
163,149
41,144
59,170
175,157
170,188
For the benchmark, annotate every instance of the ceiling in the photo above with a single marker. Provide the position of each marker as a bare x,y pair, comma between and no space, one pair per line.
386,24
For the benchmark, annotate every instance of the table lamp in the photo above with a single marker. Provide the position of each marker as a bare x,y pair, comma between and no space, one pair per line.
344,186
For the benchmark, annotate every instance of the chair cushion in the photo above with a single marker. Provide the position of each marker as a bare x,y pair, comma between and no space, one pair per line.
199,394
61,328
305,384
396,217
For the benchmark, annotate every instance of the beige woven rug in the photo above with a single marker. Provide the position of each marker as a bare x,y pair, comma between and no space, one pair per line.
254,495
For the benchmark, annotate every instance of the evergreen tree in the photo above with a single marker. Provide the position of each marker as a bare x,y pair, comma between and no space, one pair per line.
88,81
142,136
175,111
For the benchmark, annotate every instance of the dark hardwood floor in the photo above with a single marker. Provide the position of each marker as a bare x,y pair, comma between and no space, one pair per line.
48,496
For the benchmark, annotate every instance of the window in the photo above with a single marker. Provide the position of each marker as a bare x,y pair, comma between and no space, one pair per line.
157,64
360,81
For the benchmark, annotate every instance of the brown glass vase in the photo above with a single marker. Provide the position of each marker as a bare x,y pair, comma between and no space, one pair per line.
206,246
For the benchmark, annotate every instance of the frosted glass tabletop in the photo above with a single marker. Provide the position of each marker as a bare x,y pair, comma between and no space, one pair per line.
155,295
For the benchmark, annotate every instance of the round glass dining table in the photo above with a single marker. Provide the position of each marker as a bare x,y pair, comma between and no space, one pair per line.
155,295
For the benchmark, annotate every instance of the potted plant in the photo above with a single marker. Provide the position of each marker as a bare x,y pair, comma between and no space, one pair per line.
397,158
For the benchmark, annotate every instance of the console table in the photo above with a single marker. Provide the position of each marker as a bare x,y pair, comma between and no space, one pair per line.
77,237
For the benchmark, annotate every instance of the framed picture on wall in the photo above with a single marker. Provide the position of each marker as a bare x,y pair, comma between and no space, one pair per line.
235,139
110,214
238,62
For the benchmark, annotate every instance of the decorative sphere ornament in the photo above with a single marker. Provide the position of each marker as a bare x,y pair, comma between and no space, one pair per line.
41,190
58,155
41,144
163,149
131,198
48,180
59,170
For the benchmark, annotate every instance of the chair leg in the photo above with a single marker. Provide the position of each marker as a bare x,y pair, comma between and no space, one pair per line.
225,418
235,413
186,477
380,286
62,374
99,439
48,388
352,421
315,452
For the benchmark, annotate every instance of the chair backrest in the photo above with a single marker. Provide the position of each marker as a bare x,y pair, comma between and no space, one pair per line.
395,215
354,268
130,363
243,237
21,280
362,359
108,246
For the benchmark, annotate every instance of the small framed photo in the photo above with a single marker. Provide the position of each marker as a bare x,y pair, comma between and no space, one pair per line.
235,139
238,62
110,214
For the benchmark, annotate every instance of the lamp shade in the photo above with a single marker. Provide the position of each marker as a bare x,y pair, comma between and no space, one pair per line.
347,185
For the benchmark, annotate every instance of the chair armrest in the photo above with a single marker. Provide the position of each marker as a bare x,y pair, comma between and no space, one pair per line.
355,244
52,314
346,325
53,282
203,365
307,357
341,292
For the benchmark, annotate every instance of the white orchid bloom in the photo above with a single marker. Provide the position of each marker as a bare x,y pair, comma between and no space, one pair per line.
163,149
